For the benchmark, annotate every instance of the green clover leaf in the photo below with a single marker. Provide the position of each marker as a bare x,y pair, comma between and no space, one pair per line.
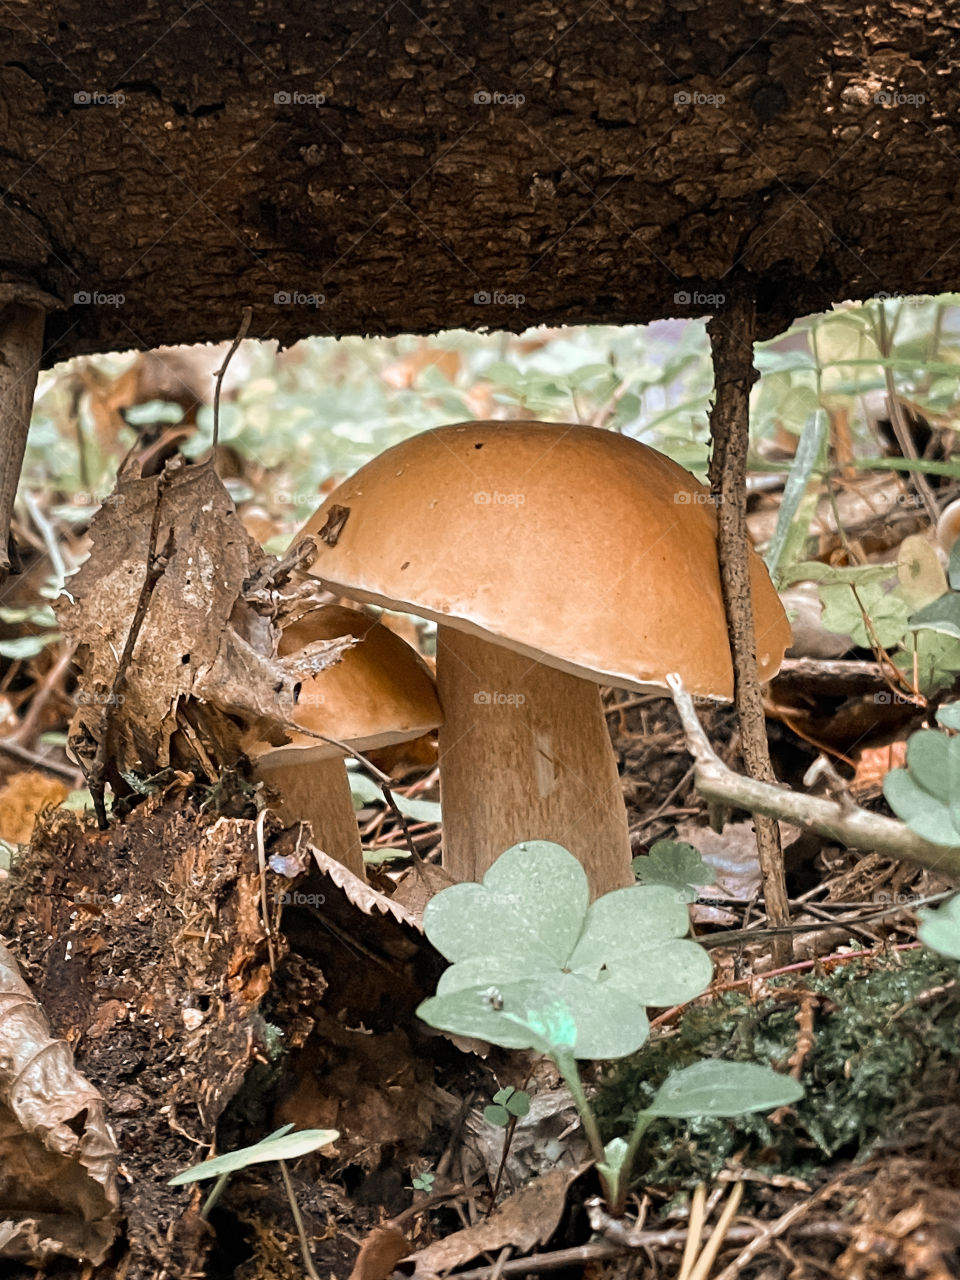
537,966
676,864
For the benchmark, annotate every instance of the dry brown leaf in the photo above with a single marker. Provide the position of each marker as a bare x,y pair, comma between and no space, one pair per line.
526,1219
732,853
874,763
379,1254
418,886
188,613
58,1161
548,1137
361,895
206,635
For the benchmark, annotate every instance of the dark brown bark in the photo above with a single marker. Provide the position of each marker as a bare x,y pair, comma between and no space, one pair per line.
177,162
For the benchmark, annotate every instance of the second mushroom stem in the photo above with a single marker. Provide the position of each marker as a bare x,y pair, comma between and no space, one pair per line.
319,793
731,336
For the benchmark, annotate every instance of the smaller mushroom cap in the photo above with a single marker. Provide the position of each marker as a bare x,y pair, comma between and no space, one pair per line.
379,692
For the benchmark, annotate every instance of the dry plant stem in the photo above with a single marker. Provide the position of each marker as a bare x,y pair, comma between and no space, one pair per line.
619,1234
48,533
704,1264
846,823
772,1231
319,793
264,898
298,1221
155,569
827,668
609,1248
383,781
245,317
731,337
21,345
801,966
698,1214
901,427
525,755
59,768
30,723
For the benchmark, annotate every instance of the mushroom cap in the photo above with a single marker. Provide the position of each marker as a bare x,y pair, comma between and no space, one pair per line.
379,692
576,546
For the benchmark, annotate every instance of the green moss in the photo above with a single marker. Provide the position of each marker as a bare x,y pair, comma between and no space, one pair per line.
882,1046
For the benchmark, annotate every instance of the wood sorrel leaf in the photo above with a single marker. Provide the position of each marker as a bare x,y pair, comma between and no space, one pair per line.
526,942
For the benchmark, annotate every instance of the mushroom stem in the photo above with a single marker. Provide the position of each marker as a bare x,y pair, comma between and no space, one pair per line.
318,792
525,755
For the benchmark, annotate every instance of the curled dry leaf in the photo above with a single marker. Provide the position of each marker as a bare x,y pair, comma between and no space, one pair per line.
362,895
526,1219
58,1161
548,1137
418,886
379,1254
207,634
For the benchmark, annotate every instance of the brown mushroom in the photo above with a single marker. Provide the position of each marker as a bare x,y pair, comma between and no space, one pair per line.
554,558
379,692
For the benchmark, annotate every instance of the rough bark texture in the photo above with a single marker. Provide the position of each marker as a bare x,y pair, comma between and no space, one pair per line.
174,163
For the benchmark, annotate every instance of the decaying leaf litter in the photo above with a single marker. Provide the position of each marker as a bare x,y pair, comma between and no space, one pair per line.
391,1128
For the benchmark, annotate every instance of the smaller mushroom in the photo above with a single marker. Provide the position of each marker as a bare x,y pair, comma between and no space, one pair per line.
379,692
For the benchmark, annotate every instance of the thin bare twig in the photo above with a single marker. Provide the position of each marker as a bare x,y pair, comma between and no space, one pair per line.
48,533
246,317
898,419
383,780
31,721
800,966
771,1231
601,1251
264,898
155,568
69,772
733,937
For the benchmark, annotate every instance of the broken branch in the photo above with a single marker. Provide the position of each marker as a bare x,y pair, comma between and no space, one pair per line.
848,824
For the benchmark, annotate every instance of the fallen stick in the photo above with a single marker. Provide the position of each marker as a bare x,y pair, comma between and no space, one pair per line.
839,820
